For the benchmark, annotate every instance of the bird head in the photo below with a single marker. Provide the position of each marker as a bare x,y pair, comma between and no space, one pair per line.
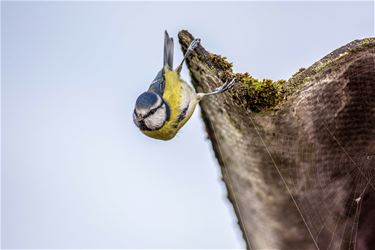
150,112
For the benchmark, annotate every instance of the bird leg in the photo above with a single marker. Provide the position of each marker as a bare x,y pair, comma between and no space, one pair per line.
190,49
227,85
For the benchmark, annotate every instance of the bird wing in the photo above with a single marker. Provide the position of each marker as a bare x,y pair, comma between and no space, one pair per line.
158,84
168,50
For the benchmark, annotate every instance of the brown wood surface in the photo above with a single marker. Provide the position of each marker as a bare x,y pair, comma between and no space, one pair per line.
299,175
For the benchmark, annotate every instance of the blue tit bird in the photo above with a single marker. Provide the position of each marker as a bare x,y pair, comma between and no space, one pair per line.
169,102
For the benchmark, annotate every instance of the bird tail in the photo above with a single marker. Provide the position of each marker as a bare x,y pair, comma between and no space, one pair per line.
168,50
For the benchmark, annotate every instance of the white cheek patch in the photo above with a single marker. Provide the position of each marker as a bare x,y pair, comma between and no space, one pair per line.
157,119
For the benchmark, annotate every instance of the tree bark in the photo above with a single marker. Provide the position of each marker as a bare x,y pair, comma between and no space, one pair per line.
297,157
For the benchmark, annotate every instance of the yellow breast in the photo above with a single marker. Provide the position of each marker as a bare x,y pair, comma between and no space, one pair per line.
174,92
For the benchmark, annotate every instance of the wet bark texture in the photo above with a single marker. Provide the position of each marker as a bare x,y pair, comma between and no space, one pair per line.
299,174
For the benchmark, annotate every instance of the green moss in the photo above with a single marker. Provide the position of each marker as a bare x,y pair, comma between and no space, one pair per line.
223,67
353,47
367,41
220,62
325,63
299,71
261,95
253,94
258,95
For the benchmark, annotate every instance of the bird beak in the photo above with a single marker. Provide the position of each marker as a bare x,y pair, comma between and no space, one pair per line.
137,116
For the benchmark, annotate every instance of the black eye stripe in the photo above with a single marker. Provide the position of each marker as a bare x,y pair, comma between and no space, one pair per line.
142,124
152,111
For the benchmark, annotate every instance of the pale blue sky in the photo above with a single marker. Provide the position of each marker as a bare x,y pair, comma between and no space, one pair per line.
76,172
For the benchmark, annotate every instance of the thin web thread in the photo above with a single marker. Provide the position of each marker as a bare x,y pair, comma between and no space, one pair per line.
359,202
286,185
358,210
347,219
346,153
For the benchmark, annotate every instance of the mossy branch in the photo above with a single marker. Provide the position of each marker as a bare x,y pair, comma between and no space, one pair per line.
259,95
286,148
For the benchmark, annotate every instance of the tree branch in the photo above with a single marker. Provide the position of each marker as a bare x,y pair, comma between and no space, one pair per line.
297,156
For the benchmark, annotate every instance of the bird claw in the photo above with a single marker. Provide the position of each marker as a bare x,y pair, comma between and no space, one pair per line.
194,44
227,85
